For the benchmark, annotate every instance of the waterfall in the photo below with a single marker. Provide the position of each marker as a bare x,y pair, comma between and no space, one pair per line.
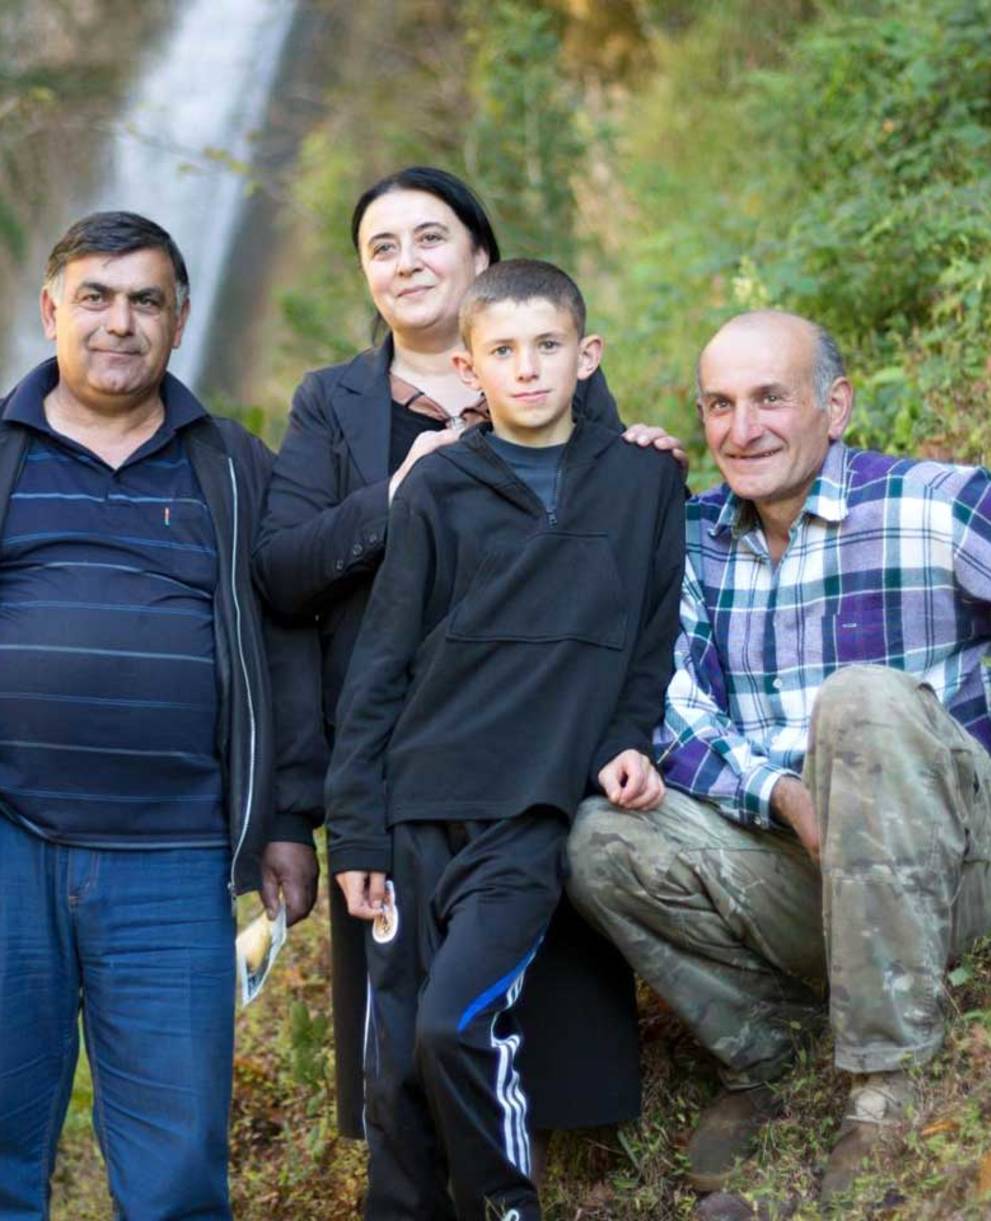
187,122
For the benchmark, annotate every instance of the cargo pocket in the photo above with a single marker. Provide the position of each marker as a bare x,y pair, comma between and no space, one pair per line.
554,587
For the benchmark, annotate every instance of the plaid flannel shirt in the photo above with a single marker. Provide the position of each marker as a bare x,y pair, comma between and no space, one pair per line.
889,563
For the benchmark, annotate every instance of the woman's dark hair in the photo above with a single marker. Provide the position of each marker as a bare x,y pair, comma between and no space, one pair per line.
458,196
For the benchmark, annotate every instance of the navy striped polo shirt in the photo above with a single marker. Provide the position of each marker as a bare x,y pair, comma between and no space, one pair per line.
108,690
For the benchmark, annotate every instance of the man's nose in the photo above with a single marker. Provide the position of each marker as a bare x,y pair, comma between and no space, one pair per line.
746,424
120,315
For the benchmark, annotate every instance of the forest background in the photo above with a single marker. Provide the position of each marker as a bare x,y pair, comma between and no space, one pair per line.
686,161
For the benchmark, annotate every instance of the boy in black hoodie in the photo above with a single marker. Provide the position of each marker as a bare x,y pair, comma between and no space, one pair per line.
515,654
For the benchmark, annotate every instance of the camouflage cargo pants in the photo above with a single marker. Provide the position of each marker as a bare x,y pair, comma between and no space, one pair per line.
743,936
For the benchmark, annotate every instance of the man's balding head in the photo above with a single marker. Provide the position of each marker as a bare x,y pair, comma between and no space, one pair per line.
827,360
772,394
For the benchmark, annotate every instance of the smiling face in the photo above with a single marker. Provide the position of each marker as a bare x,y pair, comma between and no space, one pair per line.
419,261
765,429
527,357
115,323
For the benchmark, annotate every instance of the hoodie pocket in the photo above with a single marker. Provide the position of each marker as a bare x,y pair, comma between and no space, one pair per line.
554,587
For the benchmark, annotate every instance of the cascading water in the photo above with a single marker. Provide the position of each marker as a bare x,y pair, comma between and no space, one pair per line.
187,122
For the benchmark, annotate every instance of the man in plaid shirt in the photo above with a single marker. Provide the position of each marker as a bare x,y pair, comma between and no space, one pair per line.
827,823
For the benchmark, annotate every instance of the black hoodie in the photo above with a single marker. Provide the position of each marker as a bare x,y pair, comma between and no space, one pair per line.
507,652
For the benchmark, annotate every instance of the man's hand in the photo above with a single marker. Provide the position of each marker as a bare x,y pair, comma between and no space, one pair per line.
424,444
364,892
652,434
293,869
632,782
791,801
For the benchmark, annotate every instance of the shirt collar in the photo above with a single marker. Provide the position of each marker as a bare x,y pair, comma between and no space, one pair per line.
26,404
827,498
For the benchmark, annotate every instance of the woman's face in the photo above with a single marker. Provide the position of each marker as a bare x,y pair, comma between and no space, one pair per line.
419,261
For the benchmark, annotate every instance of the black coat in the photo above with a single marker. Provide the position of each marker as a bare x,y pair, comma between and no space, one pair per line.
508,652
323,536
322,540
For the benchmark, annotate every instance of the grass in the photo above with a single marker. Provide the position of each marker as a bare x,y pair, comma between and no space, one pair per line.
288,1163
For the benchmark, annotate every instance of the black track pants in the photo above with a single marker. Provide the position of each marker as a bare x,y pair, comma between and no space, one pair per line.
443,1098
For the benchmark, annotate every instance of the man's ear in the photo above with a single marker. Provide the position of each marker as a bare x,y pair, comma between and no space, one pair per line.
839,404
181,320
589,356
48,308
466,370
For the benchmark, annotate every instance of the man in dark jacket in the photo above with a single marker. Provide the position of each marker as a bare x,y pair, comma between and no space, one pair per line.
143,778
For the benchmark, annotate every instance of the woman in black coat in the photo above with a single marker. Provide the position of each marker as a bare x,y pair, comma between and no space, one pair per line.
355,431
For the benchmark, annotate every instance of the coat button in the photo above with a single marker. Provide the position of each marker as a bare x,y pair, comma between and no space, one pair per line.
339,565
357,549
373,538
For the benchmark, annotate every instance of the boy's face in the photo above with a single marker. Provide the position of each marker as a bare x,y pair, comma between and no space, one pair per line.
527,358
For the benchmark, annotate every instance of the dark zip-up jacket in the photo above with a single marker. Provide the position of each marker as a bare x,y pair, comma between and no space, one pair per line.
273,766
507,652
321,544
324,531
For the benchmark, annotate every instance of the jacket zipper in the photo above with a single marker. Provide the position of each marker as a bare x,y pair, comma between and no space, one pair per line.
551,513
249,796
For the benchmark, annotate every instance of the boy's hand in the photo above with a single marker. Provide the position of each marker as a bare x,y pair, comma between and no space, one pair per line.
632,782
652,434
364,892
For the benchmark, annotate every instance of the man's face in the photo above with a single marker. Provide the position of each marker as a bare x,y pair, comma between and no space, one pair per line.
527,357
115,323
757,403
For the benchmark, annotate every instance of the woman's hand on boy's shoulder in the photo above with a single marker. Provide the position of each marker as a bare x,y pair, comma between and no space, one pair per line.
424,444
631,781
364,892
652,434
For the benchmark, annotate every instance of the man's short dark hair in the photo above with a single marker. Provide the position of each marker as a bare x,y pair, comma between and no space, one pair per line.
520,280
114,233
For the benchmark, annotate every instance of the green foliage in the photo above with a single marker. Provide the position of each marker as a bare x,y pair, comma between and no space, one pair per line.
516,132
848,178
523,145
885,121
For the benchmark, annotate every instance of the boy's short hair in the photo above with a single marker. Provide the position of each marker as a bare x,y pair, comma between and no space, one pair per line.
521,280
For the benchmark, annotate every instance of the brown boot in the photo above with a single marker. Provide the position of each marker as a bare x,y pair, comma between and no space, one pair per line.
727,1133
876,1103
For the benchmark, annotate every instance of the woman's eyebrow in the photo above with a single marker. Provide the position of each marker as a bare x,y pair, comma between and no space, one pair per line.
427,224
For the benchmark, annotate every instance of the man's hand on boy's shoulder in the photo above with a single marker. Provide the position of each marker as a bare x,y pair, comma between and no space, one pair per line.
364,892
631,781
652,434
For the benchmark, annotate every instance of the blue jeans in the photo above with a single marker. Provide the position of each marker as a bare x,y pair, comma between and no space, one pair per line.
143,942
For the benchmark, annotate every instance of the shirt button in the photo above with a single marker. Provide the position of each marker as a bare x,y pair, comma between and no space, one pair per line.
373,538
339,565
777,684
